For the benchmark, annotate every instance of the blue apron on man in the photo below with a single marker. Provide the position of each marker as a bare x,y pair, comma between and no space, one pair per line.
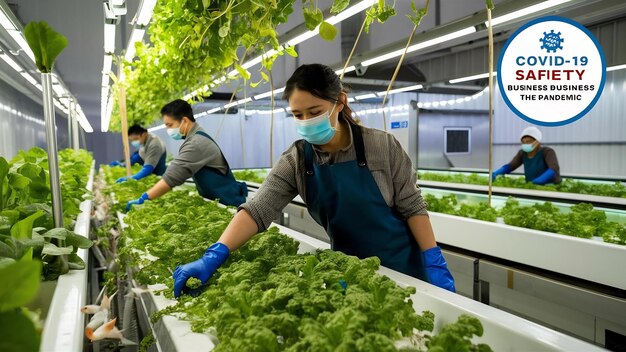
212,184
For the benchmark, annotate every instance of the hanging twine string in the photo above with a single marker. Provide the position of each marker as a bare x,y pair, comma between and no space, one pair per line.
490,33
345,66
417,19
395,73
271,119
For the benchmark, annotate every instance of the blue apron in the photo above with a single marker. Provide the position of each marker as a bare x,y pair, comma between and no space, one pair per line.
160,167
212,184
535,166
345,199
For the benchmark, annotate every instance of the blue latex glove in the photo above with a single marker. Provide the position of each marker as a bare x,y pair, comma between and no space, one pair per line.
505,169
144,197
546,177
146,170
116,163
437,269
201,269
121,179
135,158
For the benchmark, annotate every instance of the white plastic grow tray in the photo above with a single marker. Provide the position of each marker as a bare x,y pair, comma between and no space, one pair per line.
547,195
63,328
568,255
503,331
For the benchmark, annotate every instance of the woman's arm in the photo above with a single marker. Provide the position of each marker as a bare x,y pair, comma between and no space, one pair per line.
159,189
422,231
240,229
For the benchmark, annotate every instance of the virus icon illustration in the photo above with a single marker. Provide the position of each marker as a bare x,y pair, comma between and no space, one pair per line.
551,41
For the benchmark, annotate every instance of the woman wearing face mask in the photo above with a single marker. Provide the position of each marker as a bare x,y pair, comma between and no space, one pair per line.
151,153
199,157
357,182
540,163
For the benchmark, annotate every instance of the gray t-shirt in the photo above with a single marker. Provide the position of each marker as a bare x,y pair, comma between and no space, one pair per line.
195,153
389,164
152,150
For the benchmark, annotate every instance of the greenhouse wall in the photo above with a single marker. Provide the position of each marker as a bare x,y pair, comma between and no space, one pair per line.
22,125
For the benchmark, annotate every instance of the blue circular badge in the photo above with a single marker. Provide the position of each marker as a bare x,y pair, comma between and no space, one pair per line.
551,71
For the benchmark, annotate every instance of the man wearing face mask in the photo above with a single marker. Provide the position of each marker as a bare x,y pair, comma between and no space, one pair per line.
540,163
357,182
151,153
199,157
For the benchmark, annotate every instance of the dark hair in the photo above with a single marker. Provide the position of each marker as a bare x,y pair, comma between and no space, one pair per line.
136,129
178,109
321,81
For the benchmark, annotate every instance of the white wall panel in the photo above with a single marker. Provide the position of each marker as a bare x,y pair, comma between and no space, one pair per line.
17,132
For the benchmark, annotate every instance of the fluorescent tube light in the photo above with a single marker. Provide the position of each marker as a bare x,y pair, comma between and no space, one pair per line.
14,65
525,11
422,45
615,68
145,12
365,96
400,90
351,11
270,93
19,39
135,36
471,78
29,78
5,22
109,38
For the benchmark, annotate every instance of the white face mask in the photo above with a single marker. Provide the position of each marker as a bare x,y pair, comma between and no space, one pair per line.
135,144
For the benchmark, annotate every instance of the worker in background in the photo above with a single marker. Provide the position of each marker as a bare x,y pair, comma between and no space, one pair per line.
357,182
540,163
199,157
151,153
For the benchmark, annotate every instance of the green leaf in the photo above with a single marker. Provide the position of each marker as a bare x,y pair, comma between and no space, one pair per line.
6,261
78,241
264,76
291,51
24,228
489,4
36,243
59,233
327,31
18,332
255,84
5,224
4,170
223,32
312,18
75,262
206,3
20,282
385,14
51,249
338,6
8,247
55,267
418,15
243,72
18,181
45,43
